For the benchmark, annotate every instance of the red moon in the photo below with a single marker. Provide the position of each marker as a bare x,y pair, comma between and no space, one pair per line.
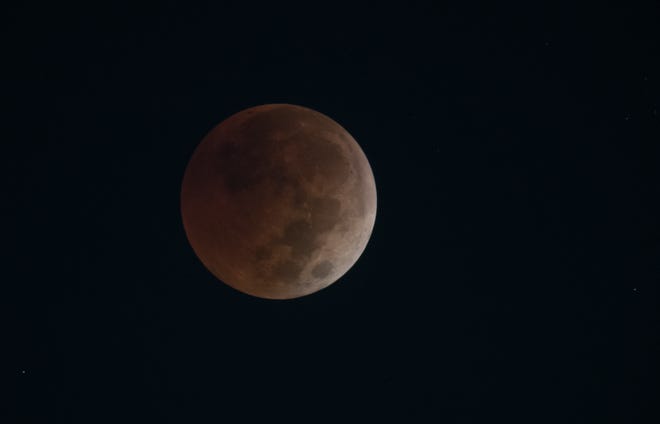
278,201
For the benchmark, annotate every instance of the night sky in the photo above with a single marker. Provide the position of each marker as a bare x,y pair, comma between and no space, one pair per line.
512,275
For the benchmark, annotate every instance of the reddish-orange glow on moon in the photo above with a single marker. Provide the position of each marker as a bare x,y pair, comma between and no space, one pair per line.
278,201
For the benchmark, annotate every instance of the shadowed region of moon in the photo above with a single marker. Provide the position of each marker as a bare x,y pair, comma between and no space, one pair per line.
278,201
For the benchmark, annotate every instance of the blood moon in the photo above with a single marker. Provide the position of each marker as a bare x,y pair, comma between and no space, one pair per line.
278,201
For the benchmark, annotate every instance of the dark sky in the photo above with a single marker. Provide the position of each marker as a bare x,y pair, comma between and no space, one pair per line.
512,275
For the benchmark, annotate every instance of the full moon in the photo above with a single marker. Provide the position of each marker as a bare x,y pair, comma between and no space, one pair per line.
278,201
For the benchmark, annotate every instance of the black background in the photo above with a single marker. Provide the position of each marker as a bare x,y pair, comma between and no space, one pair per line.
513,268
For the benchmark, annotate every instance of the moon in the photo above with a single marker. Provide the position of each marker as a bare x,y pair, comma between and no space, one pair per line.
278,201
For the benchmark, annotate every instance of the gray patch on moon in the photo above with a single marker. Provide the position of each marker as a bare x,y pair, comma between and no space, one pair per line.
322,269
301,239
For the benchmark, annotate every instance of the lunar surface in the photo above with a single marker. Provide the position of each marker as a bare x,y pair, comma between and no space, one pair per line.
278,201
